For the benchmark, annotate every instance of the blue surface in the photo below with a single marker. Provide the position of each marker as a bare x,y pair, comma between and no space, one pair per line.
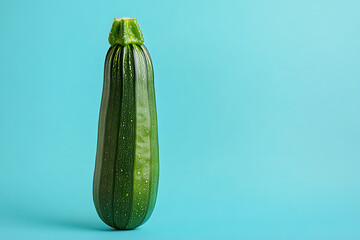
258,108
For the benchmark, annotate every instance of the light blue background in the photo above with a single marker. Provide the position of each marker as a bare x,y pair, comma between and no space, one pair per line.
258,109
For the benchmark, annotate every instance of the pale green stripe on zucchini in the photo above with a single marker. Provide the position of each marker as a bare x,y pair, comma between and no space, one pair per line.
154,169
141,182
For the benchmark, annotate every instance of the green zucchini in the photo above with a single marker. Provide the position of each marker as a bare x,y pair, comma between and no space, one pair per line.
127,157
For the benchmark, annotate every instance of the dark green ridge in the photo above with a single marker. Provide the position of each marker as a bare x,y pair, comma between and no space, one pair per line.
154,171
142,148
118,92
102,121
113,121
123,191
106,181
102,143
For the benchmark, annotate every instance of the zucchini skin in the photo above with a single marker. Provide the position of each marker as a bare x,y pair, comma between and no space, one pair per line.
127,157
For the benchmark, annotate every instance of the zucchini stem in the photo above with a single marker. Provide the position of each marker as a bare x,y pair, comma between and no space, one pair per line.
125,31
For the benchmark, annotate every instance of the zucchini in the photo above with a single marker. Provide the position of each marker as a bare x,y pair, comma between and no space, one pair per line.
127,157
